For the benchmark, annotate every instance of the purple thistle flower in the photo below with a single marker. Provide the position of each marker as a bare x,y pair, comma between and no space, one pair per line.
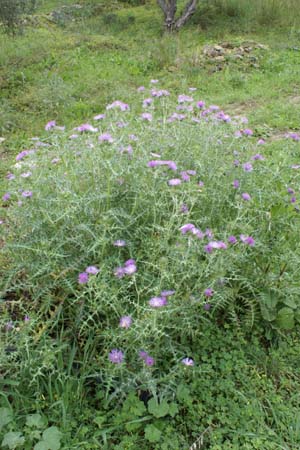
119,243
153,81
73,136
174,182
290,191
106,137
99,117
232,240
147,102
147,116
83,278
184,98
185,176
294,136
206,306
293,200
247,167
167,293
26,194
246,196
208,292
236,184
188,362
26,318
10,176
185,228
143,354
258,157
86,127
261,142
149,361
116,356
236,162
247,240
125,322
133,137
92,270
130,267
26,174
141,89
22,155
118,104
119,272
6,197
50,125
184,208
212,245
200,104
158,302
247,132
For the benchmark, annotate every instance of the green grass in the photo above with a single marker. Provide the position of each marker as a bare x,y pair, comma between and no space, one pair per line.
243,391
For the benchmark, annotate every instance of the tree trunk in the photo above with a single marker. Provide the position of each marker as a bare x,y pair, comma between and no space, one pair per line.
169,8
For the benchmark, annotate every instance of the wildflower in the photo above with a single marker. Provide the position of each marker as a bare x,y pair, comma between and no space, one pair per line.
119,243
26,194
247,132
106,137
192,89
293,199
26,174
9,325
246,196
73,136
147,116
214,108
185,228
236,163
92,270
125,322
133,137
261,142
116,356
153,81
200,184
55,160
147,102
130,267
86,127
247,240
99,117
248,167
208,292
10,176
200,104
185,176
184,98
188,362
257,157
119,272
143,354
174,182
208,233
50,125
22,155
6,197
141,89
149,361
232,240
167,293
118,104
236,184
212,245
26,318
155,163
158,302
206,306
184,208
83,278
290,191
294,136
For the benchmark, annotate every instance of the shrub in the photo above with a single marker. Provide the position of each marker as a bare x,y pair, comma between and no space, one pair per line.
205,210
12,10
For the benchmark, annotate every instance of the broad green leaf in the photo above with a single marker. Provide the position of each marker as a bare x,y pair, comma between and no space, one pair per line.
42,445
5,417
52,437
183,394
173,409
35,420
158,409
152,434
285,319
13,439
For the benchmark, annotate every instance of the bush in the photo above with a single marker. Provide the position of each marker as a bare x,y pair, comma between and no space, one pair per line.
11,12
215,225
